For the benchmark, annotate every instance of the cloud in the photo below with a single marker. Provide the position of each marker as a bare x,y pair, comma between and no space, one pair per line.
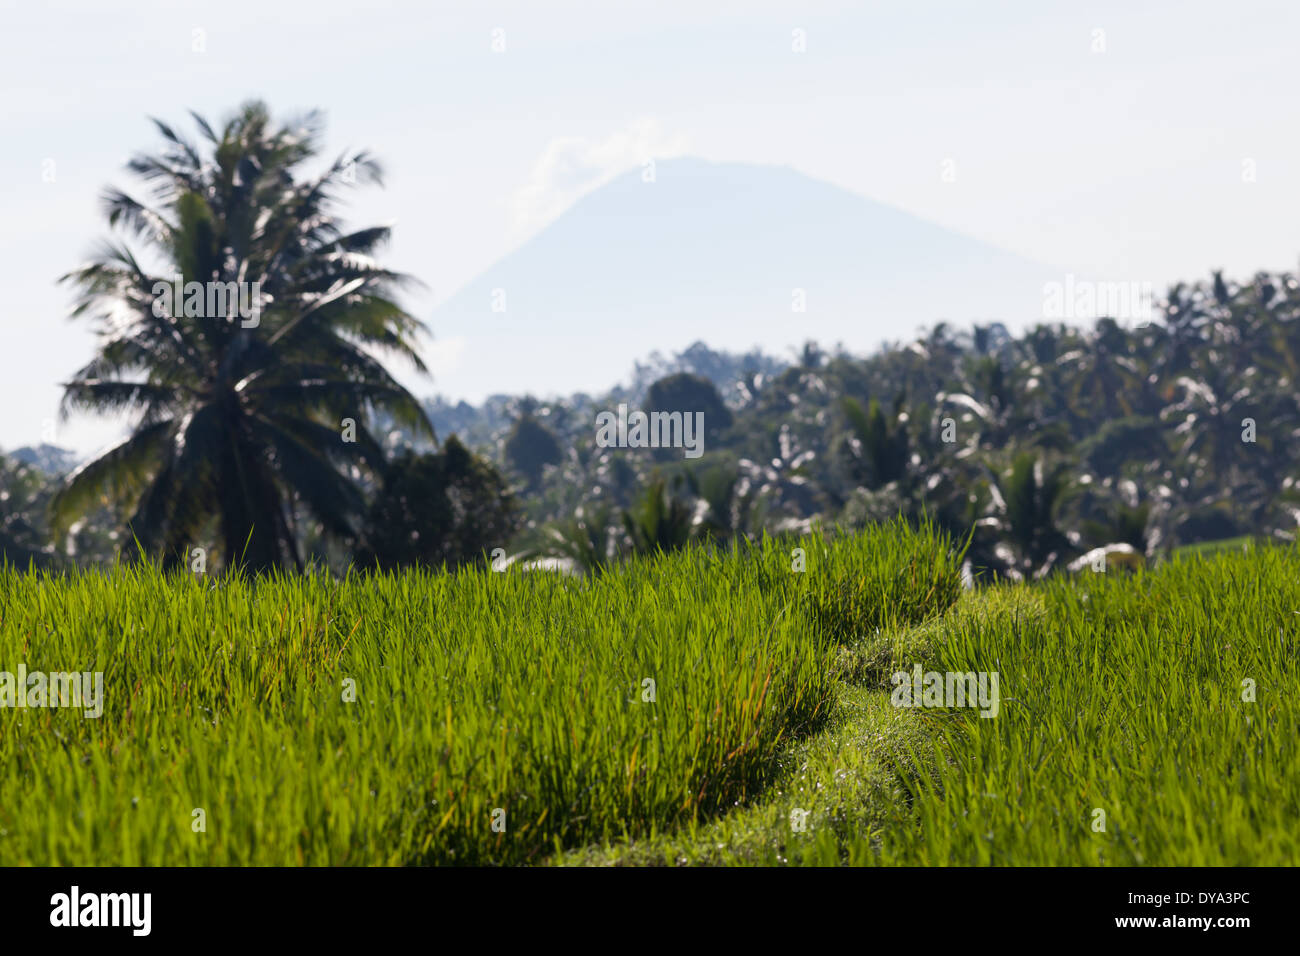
572,166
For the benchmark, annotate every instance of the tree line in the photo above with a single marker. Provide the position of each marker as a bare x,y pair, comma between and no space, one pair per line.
274,436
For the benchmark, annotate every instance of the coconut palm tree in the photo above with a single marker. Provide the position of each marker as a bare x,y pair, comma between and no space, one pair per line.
238,416
725,502
585,542
1024,501
878,443
1101,378
662,520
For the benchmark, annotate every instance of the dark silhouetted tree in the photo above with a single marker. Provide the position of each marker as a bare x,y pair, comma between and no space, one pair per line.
530,447
439,508
235,415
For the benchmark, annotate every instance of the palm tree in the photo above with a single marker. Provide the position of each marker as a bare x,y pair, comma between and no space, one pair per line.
1025,498
878,443
726,503
661,521
585,541
1102,378
237,419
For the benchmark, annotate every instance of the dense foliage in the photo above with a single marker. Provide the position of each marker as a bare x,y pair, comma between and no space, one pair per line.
443,508
251,388
1047,444
270,443
384,718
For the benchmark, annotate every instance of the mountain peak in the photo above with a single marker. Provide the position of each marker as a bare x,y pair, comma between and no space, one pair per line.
739,255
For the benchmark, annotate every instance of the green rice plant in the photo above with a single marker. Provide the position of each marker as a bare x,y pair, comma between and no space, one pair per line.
1146,719
900,578
425,717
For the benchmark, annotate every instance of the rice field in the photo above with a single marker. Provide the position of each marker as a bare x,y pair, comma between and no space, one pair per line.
1146,720
706,707
428,718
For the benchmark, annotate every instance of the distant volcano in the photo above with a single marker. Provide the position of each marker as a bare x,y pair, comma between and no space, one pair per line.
732,254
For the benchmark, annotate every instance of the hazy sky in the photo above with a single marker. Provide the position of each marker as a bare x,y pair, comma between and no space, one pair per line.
1122,162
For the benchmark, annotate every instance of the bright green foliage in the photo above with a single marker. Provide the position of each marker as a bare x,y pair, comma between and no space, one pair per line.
1117,693
478,690
473,691
1127,696
864,591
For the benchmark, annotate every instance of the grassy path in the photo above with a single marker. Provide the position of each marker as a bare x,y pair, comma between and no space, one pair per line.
840,777
846,778
1147,719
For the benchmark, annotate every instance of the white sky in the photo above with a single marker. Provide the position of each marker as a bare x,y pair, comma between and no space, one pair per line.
1124,163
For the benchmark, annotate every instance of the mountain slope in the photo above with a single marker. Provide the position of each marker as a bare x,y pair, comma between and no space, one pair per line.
721,252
